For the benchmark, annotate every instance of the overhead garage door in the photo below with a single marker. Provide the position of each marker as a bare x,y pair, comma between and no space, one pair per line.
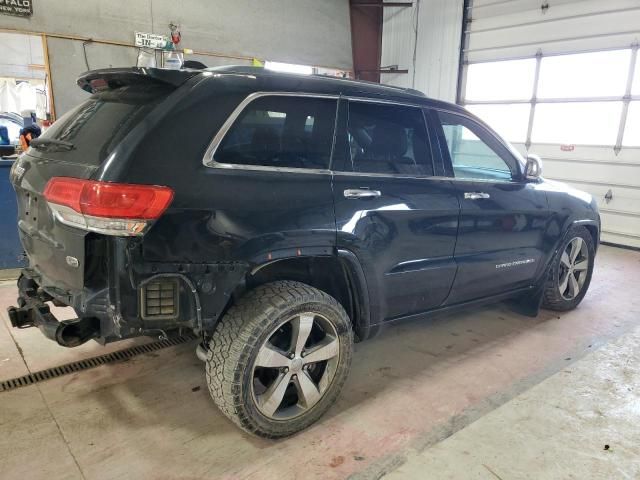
561,79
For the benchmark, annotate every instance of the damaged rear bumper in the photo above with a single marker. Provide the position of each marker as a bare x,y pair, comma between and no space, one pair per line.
33,311
133,299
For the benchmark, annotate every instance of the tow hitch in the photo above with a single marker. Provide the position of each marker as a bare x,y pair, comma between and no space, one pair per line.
34,312
68,333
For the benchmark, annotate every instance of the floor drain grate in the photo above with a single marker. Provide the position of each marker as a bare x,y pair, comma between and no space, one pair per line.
92,362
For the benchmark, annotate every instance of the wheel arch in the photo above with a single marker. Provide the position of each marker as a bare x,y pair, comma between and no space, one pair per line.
340,275
592,226
594,230
562,228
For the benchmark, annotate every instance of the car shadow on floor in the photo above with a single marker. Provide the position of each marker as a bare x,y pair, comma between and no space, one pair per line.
420,349
405,352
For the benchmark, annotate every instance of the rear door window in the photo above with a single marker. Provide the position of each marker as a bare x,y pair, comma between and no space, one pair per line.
387,139
281,131
96,127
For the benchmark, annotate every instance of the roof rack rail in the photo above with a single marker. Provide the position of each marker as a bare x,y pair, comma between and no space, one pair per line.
246,69
413,91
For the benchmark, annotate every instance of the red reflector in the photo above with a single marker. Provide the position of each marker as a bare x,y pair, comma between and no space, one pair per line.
109,200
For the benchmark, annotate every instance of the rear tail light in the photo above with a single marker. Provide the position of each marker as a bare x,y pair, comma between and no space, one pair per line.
110,208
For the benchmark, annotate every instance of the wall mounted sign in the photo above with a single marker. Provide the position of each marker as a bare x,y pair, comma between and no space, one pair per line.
20,8
149,40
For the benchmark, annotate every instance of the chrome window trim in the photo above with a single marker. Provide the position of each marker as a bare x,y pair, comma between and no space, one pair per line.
426,177
209,155
384,101
486,180
263,168
386,175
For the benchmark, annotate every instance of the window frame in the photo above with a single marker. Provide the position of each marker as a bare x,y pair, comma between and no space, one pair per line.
341,133
625,99
208,160
487,136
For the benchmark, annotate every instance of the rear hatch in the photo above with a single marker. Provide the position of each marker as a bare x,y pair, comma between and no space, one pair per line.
76,146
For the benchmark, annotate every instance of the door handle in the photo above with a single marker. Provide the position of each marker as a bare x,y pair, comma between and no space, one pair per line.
361,193
476,195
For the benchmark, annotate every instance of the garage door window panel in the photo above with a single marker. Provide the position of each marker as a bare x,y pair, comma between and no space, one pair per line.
506,80
510,120
281,132
583,123
635,86
584,75
474,153
632,128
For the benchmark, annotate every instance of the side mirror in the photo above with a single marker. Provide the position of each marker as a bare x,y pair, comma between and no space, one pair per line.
533,167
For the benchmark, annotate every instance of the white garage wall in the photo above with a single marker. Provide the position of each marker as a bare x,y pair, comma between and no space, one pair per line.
310,32
425,39
561,79
519,28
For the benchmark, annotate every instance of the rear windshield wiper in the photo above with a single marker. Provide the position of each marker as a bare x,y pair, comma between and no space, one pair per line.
51,144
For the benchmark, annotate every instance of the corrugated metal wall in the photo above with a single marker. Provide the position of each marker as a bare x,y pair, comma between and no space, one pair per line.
519,28
433,60
500,30
398,43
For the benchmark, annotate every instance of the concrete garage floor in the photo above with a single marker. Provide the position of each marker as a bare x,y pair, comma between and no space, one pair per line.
487,394
583,422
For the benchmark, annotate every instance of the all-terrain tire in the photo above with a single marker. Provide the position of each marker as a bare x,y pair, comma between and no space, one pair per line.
237,340
552,297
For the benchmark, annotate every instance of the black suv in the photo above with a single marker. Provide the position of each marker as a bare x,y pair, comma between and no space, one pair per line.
279,217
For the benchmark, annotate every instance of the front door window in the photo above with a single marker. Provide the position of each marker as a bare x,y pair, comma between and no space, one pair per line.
472,155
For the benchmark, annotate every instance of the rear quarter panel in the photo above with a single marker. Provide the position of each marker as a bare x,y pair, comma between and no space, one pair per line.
220,214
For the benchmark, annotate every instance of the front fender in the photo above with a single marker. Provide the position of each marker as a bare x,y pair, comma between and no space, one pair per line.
568,206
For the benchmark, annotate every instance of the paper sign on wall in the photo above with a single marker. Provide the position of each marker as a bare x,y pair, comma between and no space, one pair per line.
149,40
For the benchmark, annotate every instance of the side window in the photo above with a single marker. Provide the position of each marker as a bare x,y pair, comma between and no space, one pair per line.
387,139
281,131
473,153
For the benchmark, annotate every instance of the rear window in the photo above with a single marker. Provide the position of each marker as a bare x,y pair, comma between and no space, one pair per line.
281,131
97,126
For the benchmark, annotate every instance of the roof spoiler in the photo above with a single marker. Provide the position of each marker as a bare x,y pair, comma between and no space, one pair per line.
112,78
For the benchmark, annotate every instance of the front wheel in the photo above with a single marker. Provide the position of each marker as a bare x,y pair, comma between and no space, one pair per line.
571,270
279,357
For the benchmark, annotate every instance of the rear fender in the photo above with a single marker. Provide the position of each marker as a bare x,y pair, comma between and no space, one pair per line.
360,293
339,274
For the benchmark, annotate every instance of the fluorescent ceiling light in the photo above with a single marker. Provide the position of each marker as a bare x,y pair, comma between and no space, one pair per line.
288,67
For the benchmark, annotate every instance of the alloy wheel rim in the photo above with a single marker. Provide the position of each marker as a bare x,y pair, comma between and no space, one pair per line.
574,266
295,366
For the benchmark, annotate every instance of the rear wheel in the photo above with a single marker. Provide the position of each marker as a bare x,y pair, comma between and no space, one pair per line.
278,359
571,271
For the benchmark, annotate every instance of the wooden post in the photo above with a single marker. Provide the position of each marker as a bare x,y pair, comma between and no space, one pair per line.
47,66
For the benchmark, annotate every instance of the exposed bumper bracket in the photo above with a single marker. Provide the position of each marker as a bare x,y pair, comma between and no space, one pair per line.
34,312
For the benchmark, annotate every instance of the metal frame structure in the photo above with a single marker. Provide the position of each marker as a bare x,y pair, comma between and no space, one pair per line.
626,98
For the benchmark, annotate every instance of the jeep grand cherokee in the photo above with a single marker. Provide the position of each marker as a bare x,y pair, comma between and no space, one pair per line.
279,217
